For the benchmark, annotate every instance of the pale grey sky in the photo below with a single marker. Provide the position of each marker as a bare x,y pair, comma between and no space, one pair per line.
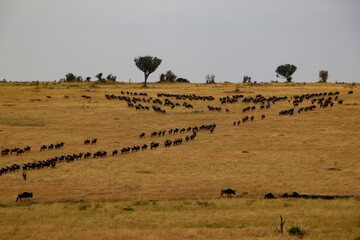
46,39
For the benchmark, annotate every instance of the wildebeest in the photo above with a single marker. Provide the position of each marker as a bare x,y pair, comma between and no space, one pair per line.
24,175
154,145
87,155
25,195
228,192
114,153
142,135
269,196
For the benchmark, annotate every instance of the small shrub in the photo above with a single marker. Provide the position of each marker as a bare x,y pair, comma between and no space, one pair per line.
82,207
295,230
128,209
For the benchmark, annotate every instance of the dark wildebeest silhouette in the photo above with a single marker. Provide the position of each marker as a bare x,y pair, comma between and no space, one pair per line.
142,135
114,153
269,196
154,145
24,175
228,192
25,195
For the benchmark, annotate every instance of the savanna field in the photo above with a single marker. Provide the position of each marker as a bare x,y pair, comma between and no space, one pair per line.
174,192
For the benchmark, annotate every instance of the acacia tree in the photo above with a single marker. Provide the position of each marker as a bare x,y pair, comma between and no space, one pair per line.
99,76
70,77
247,79
111,77
148,65
323,75
169,76
286,71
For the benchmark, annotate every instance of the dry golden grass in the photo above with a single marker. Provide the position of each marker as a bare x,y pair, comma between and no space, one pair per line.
285,154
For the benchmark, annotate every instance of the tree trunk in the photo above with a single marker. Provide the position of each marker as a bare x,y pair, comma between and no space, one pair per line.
146,77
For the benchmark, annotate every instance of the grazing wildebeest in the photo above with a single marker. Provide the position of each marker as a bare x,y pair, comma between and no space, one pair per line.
25,195
114,153
269,196
94,141
154,145
228,192
143,147
142,135
19,152
43,147
86,142
24,175
5,152
87,155
262,116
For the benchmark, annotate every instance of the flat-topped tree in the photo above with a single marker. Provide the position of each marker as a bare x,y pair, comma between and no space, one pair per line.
148,65
286,71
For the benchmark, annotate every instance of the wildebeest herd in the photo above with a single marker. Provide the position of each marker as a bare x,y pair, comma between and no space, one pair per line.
51,162
139,101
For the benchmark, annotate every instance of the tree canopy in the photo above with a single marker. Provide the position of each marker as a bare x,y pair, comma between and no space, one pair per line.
169,76
323,75
148,65
247,79
99,76
286,71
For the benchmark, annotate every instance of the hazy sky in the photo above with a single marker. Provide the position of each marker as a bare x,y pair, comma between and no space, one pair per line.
46,39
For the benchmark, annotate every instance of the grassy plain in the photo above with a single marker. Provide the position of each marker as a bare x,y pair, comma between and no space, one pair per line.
174,193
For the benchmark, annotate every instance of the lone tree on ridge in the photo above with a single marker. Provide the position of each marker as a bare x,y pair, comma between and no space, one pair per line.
286,71
148,65
323,75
